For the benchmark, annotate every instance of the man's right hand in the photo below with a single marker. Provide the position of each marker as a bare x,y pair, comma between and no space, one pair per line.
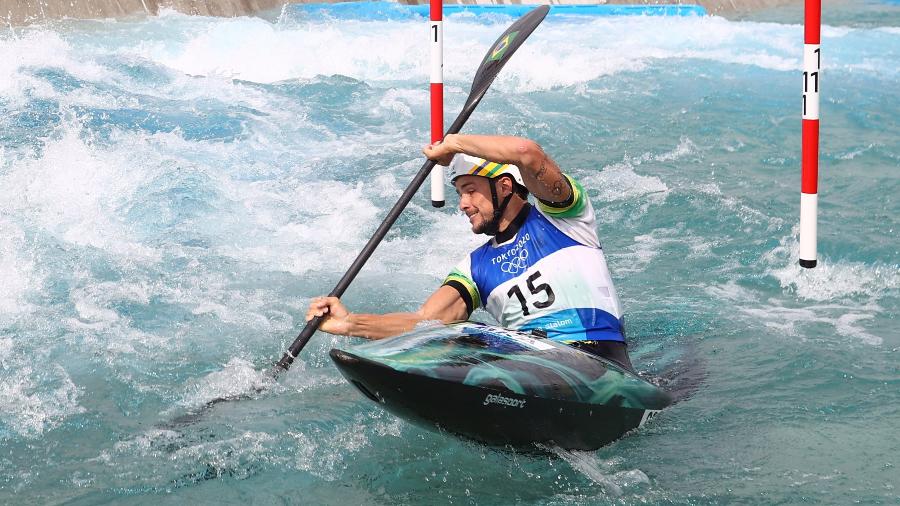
441,152
336,317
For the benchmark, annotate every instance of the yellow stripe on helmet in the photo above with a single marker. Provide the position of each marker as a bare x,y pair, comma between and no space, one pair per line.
489,169
477,170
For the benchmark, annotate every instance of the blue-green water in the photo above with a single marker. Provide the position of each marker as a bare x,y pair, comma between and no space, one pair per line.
174,190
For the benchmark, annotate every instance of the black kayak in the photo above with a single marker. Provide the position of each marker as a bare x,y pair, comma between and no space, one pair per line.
501,387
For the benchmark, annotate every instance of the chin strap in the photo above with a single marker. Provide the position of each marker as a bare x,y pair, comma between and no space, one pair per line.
492,227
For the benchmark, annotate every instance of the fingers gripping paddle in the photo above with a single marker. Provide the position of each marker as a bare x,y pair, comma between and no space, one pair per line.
495,59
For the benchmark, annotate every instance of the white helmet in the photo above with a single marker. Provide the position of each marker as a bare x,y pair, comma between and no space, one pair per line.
468,165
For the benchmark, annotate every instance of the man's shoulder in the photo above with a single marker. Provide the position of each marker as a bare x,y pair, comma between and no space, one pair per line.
576,219
575,206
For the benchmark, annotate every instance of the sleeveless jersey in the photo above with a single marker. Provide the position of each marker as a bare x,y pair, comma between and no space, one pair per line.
552,275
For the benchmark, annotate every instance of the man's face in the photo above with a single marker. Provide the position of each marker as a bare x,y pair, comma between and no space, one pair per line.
475,200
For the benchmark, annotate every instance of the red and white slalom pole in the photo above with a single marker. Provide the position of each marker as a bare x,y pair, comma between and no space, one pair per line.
809,180
436,40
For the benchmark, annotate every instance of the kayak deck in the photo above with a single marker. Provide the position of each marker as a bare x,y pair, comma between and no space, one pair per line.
501,387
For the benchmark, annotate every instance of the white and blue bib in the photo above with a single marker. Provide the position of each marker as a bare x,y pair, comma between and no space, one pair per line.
551,275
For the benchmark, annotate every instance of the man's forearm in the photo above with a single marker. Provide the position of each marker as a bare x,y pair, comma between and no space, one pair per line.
497,148
380,326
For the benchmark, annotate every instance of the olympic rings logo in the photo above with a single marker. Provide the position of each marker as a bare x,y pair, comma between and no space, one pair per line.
516,264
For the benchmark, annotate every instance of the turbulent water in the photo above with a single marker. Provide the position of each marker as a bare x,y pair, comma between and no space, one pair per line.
174,190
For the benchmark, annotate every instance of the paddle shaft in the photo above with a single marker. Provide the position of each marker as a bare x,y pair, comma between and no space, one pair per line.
373,243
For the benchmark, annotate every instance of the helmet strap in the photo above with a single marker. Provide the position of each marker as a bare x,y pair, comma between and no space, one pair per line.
493,227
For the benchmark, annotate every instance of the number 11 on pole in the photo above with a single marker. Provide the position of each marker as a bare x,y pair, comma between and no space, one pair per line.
809,179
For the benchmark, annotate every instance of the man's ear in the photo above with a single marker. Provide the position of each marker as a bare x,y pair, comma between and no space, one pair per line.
507,184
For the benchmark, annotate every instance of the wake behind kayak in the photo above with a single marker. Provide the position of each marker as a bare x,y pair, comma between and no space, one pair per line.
501,387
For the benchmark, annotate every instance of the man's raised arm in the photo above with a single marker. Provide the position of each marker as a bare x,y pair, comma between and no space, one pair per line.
541,174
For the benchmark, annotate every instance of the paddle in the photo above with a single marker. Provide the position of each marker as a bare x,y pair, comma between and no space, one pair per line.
495,59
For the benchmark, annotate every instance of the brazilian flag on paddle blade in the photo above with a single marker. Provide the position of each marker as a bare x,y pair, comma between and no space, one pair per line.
503,49
500,49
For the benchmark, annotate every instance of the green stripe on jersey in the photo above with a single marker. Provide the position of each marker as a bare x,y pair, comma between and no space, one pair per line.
464,280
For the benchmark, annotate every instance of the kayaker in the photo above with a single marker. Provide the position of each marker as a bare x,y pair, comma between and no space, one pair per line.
543,268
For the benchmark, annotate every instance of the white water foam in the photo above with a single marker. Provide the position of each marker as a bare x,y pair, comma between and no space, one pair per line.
847,319
830,281
585,51
323,454
237,379
400,102
639,255
75,190
336,232
789,322
850,155
40,49
35,401
237,456
736,207
732,292
112,336
841,295
602,472
620,182
17,271
256,50
326,452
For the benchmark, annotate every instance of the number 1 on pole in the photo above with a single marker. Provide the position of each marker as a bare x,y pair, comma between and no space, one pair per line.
436,41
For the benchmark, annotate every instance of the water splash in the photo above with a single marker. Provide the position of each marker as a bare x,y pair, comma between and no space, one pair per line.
615,483
831,280
33,401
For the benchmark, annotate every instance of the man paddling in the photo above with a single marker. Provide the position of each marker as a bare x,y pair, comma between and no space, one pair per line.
542,270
